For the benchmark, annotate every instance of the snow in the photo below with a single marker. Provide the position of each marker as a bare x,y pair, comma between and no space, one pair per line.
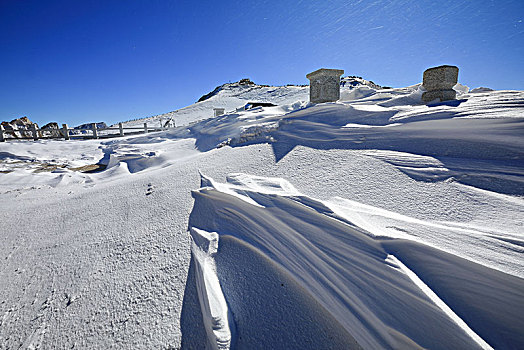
394,261
232,96
217,318
327,256
373,222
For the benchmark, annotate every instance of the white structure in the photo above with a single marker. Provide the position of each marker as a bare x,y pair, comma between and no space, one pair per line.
218,111
324,85
439,82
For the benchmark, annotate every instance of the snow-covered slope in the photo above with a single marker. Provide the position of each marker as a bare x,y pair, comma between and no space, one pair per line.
233,96
361,279
373,222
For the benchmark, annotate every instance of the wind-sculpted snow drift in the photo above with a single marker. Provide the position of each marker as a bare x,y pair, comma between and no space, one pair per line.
380,291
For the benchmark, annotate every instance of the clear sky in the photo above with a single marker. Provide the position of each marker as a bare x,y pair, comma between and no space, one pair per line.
84,61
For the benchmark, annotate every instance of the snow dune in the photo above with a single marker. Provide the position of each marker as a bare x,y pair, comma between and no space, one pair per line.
364,282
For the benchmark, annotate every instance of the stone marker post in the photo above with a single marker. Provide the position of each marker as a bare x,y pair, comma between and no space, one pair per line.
121,129
439,82
218,111
324,85
145,128
2,139
65,131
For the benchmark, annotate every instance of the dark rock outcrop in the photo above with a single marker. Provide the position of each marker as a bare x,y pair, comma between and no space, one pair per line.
353,81
51,129
50,126
242,82
83,128
89,126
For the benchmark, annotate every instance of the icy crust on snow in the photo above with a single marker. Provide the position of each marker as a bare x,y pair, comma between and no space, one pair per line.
382,291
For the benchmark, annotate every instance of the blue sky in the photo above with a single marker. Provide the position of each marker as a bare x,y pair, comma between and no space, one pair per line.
83,61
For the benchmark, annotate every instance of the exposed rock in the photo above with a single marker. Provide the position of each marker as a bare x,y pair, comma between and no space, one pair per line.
250,105
211,94
20,127
89,126
353,81
51,129
51,125
19,122
481,89
243,82
84,128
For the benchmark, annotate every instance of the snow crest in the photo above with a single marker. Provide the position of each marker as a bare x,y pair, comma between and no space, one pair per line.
351,274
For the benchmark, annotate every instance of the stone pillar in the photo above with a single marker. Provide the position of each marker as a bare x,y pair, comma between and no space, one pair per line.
218,111
145,128
324,85
121,129
439,82
2,138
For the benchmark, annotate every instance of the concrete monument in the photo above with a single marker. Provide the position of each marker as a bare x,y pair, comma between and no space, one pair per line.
218,111
324,85
439,82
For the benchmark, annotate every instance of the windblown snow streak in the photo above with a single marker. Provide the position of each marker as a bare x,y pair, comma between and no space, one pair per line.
217,321
352,276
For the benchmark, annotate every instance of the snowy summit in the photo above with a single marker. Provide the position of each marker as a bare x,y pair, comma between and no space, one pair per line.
373,222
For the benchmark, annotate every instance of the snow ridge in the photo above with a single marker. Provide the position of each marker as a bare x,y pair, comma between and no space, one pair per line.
351,273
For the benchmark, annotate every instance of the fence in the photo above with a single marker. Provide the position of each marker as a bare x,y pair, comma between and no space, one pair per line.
65,132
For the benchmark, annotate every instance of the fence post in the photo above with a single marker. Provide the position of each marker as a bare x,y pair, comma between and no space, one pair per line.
2,139
34,130
95,133
121,127
65,131
145,128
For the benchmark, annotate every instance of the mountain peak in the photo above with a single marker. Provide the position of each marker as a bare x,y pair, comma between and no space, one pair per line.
355,81
242,82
